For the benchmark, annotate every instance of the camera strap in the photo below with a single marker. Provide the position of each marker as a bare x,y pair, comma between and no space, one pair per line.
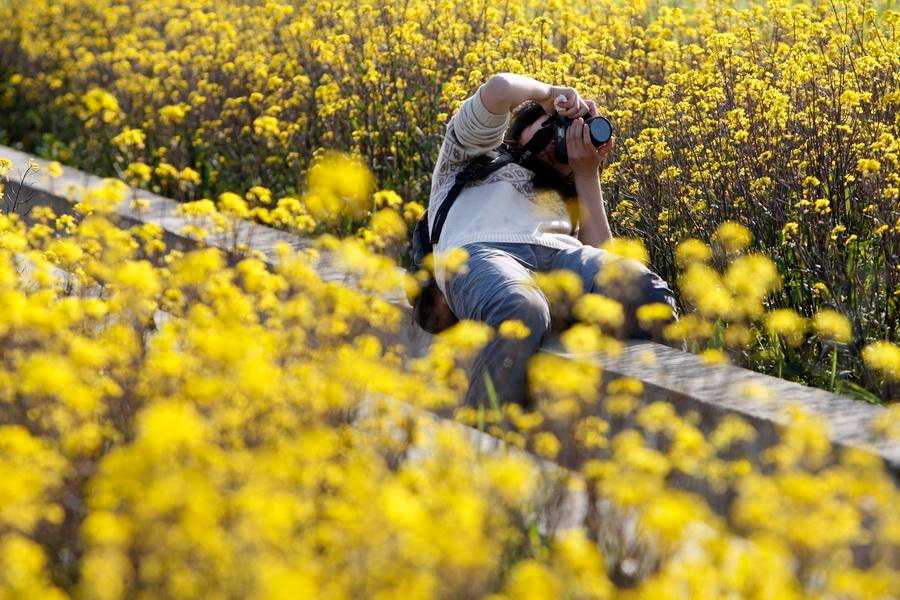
477,169
473,171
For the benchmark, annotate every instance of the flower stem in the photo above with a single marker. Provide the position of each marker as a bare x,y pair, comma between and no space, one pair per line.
833,365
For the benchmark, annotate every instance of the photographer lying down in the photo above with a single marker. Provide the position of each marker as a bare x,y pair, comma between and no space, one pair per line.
489,197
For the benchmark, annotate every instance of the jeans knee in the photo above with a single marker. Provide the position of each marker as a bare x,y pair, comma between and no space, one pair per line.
634,285
654,289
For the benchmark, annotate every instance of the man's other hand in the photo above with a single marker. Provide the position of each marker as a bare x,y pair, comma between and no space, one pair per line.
584,158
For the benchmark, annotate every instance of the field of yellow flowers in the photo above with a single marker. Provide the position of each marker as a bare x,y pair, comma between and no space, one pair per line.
780,116
189,424
186,424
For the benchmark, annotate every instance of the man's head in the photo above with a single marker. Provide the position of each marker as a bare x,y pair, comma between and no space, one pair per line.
549,173
527,119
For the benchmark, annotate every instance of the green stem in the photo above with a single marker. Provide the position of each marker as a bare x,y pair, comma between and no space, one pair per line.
780,351
491,391
833,365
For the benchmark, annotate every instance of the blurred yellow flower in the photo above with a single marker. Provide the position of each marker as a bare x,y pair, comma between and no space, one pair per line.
832,325
513,329
628,248
599,310
786,324
732,236
884,357
692,250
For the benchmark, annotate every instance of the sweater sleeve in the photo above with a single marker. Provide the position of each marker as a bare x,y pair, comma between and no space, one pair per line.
471,131
475,128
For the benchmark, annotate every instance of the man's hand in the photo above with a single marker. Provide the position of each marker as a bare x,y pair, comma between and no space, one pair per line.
584,158
571,104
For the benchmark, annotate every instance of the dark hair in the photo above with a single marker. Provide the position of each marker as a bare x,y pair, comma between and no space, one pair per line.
522,116
425,308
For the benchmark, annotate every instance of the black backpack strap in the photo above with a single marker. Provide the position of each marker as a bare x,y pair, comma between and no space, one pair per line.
475,170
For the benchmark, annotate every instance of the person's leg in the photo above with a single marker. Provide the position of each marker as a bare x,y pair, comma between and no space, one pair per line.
625,280
498,286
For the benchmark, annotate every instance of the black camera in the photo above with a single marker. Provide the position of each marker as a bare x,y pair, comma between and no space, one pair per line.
599,127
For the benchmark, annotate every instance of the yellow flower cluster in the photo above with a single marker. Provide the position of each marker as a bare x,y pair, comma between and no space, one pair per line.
176,425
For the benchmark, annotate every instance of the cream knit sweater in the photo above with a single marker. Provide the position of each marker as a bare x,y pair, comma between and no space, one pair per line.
502,208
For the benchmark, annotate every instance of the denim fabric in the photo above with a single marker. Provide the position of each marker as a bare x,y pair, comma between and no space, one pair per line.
498,285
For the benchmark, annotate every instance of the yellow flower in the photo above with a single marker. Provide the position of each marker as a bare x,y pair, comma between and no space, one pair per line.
832,325
272,399
189,175
883,357
692,250
198,208
703,287
628,248
339,185
559,286
165,170
732,429
138,172
733,237
790,229
388,225
130,138
582,338
625,385
737,335
266,126
388,198
546,444
786,324
714,356
530,580
231,203
513,477
139,277
867,166
820,289
413,211
647,314
513,329
599,310
467,336
100,101
173,114
454,260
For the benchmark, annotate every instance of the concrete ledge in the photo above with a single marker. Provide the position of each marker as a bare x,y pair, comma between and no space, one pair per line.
673,375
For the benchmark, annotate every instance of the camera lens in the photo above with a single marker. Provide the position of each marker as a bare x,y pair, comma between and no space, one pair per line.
600,129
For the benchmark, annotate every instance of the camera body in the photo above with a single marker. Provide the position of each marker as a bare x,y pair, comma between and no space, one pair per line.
600,130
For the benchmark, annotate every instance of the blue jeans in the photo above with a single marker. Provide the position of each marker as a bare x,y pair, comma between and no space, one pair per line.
498,286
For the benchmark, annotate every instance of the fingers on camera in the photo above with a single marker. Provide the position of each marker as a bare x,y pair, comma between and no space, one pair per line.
576,133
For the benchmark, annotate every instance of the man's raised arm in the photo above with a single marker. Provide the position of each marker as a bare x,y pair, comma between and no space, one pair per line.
504,91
